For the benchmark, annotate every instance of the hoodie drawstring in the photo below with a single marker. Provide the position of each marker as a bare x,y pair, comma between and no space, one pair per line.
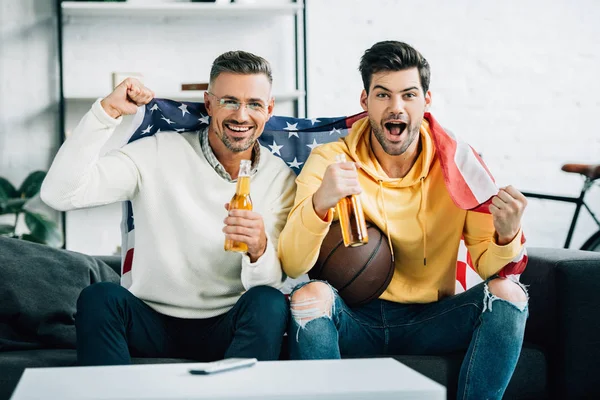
423,219
387,230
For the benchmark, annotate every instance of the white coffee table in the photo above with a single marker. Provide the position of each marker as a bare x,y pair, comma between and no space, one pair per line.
350,379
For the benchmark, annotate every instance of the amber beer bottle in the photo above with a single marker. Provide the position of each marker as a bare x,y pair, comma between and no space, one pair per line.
241,201
352,219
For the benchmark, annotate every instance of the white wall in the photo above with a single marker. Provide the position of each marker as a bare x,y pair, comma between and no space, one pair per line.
28,87
517,79
29,95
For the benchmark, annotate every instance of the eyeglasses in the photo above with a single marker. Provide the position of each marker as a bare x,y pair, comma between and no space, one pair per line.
234,105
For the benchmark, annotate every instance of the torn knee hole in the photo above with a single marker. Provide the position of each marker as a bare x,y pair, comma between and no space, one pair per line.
310,309
311,303
512,292
507,289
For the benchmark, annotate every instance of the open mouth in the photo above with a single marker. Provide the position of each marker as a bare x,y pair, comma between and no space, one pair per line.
395,128
238,131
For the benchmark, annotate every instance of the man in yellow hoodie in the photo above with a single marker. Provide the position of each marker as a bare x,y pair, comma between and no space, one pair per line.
394,167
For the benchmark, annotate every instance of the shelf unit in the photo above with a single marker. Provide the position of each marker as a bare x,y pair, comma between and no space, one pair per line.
178,10
193,95
77,28
69,10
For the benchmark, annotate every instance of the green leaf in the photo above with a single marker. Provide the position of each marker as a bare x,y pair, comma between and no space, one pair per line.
3,197
4,229
32,184
13,206
43,229
8,188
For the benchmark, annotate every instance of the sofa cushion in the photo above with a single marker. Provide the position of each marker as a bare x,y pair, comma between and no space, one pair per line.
13,363
528,382
39,287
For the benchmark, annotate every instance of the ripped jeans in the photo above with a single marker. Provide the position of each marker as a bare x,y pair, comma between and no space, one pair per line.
489,328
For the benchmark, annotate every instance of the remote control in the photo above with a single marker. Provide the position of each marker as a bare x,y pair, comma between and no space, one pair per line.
223,365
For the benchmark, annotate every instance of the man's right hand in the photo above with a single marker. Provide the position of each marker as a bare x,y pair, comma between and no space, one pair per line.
340,180
126,98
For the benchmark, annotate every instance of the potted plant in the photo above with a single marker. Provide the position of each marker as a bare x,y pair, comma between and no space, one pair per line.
17,202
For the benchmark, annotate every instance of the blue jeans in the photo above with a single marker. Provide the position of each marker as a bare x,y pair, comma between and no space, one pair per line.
489,328
113,325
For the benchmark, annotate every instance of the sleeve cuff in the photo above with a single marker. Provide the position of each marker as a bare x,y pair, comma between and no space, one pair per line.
103,117
509,250
312,221
266,258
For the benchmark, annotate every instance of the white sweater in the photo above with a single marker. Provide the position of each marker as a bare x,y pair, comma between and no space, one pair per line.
180,267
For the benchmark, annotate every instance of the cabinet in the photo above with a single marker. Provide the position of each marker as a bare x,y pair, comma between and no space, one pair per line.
169,43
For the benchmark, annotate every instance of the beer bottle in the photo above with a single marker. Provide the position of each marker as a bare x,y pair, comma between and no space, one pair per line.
240,200
352,219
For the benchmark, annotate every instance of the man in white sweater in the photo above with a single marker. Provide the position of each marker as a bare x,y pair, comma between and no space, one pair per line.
188,297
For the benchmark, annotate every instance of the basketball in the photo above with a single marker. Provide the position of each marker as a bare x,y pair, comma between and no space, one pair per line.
360,274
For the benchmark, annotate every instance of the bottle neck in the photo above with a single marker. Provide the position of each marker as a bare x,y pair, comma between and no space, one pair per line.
245,168
243,185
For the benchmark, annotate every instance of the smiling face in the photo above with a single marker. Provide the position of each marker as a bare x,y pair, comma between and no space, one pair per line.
395,105
239,106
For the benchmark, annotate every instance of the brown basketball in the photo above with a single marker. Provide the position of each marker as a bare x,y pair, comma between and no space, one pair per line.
360,274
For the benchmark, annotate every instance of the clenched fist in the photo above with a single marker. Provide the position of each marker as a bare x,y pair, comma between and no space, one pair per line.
126,98
507,209
340,180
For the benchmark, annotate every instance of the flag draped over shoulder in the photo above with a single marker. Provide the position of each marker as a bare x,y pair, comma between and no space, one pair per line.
468,181
471,186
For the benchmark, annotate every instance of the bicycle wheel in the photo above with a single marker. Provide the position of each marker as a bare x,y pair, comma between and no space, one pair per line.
593,243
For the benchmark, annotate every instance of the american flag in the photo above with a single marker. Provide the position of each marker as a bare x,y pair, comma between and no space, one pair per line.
468,181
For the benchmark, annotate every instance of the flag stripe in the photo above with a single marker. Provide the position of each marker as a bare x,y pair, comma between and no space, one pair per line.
128,261
474,174
462,172
461,273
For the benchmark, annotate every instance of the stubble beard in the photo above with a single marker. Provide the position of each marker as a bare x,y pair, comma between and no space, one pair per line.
238,146
390,148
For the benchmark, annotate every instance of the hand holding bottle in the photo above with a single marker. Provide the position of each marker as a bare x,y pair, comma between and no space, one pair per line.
244,229
340,180
247,227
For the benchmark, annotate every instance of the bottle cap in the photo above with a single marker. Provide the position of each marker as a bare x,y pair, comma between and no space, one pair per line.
245,168
340,157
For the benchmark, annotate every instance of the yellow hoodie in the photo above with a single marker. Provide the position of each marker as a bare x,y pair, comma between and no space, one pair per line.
416,212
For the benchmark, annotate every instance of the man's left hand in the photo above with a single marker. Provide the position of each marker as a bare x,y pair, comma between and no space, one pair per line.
507,209
246,227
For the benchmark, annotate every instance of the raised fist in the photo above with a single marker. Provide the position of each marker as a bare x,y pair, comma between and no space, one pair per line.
126,98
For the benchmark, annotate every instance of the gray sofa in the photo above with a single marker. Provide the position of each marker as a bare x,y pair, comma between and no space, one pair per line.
560,358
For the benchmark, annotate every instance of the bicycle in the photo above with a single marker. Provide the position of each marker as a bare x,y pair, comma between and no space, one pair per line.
591,174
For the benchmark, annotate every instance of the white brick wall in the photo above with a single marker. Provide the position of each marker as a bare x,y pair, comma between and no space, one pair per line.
517,79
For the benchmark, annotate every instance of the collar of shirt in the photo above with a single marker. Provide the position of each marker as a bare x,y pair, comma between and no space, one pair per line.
214,162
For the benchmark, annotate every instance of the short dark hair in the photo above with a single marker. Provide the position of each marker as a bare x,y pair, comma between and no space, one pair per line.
393,56
240,62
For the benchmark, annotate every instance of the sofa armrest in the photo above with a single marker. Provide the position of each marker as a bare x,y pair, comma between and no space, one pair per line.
112,261
564,289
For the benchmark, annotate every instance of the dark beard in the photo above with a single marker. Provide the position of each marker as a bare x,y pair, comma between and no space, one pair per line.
392,149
